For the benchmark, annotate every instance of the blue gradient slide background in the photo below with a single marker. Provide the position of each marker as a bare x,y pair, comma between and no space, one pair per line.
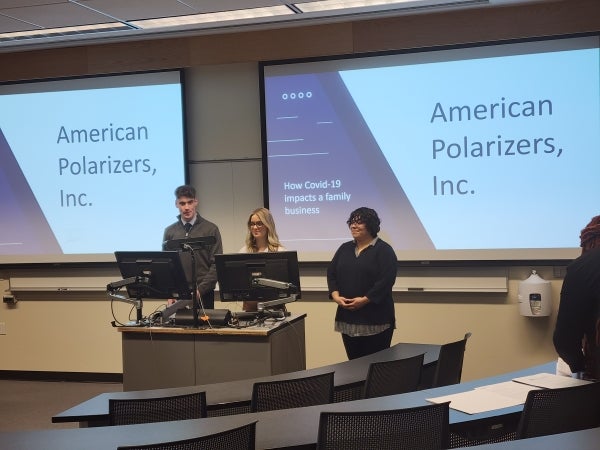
366,129
88,204
23,224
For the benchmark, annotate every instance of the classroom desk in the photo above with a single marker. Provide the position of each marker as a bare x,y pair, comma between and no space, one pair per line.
275,429
299,427
164,357
234,396
576,440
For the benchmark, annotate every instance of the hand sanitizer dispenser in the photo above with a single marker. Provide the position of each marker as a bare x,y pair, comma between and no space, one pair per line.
535,296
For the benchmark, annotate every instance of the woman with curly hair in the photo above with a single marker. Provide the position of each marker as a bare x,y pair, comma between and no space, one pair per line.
360,278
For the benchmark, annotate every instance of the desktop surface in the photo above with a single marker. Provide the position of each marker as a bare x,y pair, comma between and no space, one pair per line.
577,440
297,427
347,373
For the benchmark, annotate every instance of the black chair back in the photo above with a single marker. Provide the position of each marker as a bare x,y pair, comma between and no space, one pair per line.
450,363
241,438
419,428
292,393
551,411
393,377
159,409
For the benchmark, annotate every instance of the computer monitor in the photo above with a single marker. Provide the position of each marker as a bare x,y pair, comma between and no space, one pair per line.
159,274
237,274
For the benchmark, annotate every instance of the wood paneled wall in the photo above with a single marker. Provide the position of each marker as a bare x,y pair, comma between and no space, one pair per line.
300,41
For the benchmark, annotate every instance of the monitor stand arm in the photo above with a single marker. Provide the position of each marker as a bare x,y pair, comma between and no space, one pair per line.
113,288
137,302
261,306
282,286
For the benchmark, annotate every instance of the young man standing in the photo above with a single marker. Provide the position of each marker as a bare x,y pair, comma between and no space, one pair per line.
192,225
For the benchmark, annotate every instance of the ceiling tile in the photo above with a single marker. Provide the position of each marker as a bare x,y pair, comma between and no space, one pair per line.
57,15
140,9
205,6
8,25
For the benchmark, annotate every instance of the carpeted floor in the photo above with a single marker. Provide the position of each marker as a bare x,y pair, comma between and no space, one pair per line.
30,405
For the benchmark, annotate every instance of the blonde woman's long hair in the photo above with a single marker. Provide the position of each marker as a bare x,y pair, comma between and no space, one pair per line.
265,216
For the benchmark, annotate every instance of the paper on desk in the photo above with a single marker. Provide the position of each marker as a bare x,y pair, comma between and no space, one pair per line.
550,381
487,398
516,391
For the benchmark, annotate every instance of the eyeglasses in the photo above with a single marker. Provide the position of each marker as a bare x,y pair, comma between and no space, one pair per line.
355,222
258,224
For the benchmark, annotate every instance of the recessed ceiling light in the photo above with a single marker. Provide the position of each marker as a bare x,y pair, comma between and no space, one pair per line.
225,16
331,5
63,31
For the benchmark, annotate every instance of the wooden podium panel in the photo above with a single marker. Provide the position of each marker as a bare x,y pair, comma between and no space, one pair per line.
165,357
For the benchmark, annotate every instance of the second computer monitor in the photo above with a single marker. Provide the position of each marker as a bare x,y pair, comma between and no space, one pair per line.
238,273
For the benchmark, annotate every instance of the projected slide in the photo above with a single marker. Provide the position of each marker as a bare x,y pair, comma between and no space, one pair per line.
461,151
24,226
89,166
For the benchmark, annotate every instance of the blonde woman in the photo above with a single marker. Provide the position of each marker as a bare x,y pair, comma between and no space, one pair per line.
261,237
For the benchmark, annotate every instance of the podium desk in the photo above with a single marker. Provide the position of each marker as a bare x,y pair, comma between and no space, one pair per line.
233,397
165,357
296,427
